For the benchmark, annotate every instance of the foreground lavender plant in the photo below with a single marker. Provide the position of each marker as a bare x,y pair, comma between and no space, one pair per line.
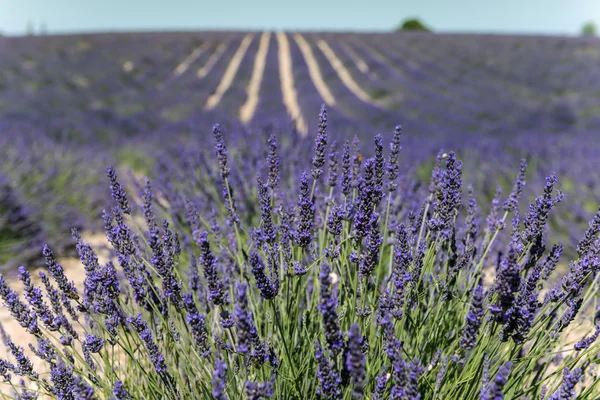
311,285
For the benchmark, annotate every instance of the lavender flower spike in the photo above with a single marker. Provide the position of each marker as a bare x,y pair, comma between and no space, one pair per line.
468,340
356,362
117,191
513,199
328,308
566,391
320,144
219,380
494,390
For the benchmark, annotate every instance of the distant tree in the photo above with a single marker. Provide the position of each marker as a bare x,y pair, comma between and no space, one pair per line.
43,28
589,29
413,24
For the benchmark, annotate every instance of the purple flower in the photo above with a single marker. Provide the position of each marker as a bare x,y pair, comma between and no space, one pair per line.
468,340
157,359
93,343
24,366
328,307
219,380
266,233
320,144
306,213
567,389
590,235
332,177
120,391
18,310
63,380
268,285
221,151
346,170
392,165
5,369
197,324
356,362
273,163
244,322
365,201
58,273
448,196
381,380
513,199
507,282
494,390
117,191
585,343
334,220
262,390
216,287
35,300
535,219
330,383
379,169
370,256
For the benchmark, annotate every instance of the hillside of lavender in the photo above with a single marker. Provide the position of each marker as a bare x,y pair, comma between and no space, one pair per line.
299,215
70,105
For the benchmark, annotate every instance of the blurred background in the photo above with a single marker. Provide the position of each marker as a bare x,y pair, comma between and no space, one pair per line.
85,84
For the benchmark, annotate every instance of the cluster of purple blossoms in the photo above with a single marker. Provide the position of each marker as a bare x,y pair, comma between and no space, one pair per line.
217,294
306,212
320,144
267,284
330,382
328,307
493,390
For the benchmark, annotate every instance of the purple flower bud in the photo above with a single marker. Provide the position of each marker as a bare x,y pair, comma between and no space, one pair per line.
216,287
392,165
117,191
197,324
320,144
58,273
513,199
273,163
494,390
306,213
268,285
328,307
221,151
346,170
330,383
566,391
120,391
356,362
219,380
585,343
468,340
332,177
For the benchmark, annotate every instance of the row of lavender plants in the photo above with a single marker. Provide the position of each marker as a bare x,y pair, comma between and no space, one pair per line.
333,276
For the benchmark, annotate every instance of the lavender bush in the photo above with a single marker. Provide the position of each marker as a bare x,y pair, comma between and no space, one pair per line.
290,269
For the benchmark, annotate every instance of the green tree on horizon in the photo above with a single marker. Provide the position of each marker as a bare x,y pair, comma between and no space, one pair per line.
589,29
413,24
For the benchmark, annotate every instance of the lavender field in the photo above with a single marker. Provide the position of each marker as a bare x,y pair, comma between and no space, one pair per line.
299,216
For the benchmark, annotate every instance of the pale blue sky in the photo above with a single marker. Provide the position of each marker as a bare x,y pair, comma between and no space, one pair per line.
498,16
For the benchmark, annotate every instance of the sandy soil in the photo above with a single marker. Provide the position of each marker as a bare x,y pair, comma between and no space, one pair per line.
345,75
230,73
185,64
249,107
356,59
290,96
212,60
314,70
